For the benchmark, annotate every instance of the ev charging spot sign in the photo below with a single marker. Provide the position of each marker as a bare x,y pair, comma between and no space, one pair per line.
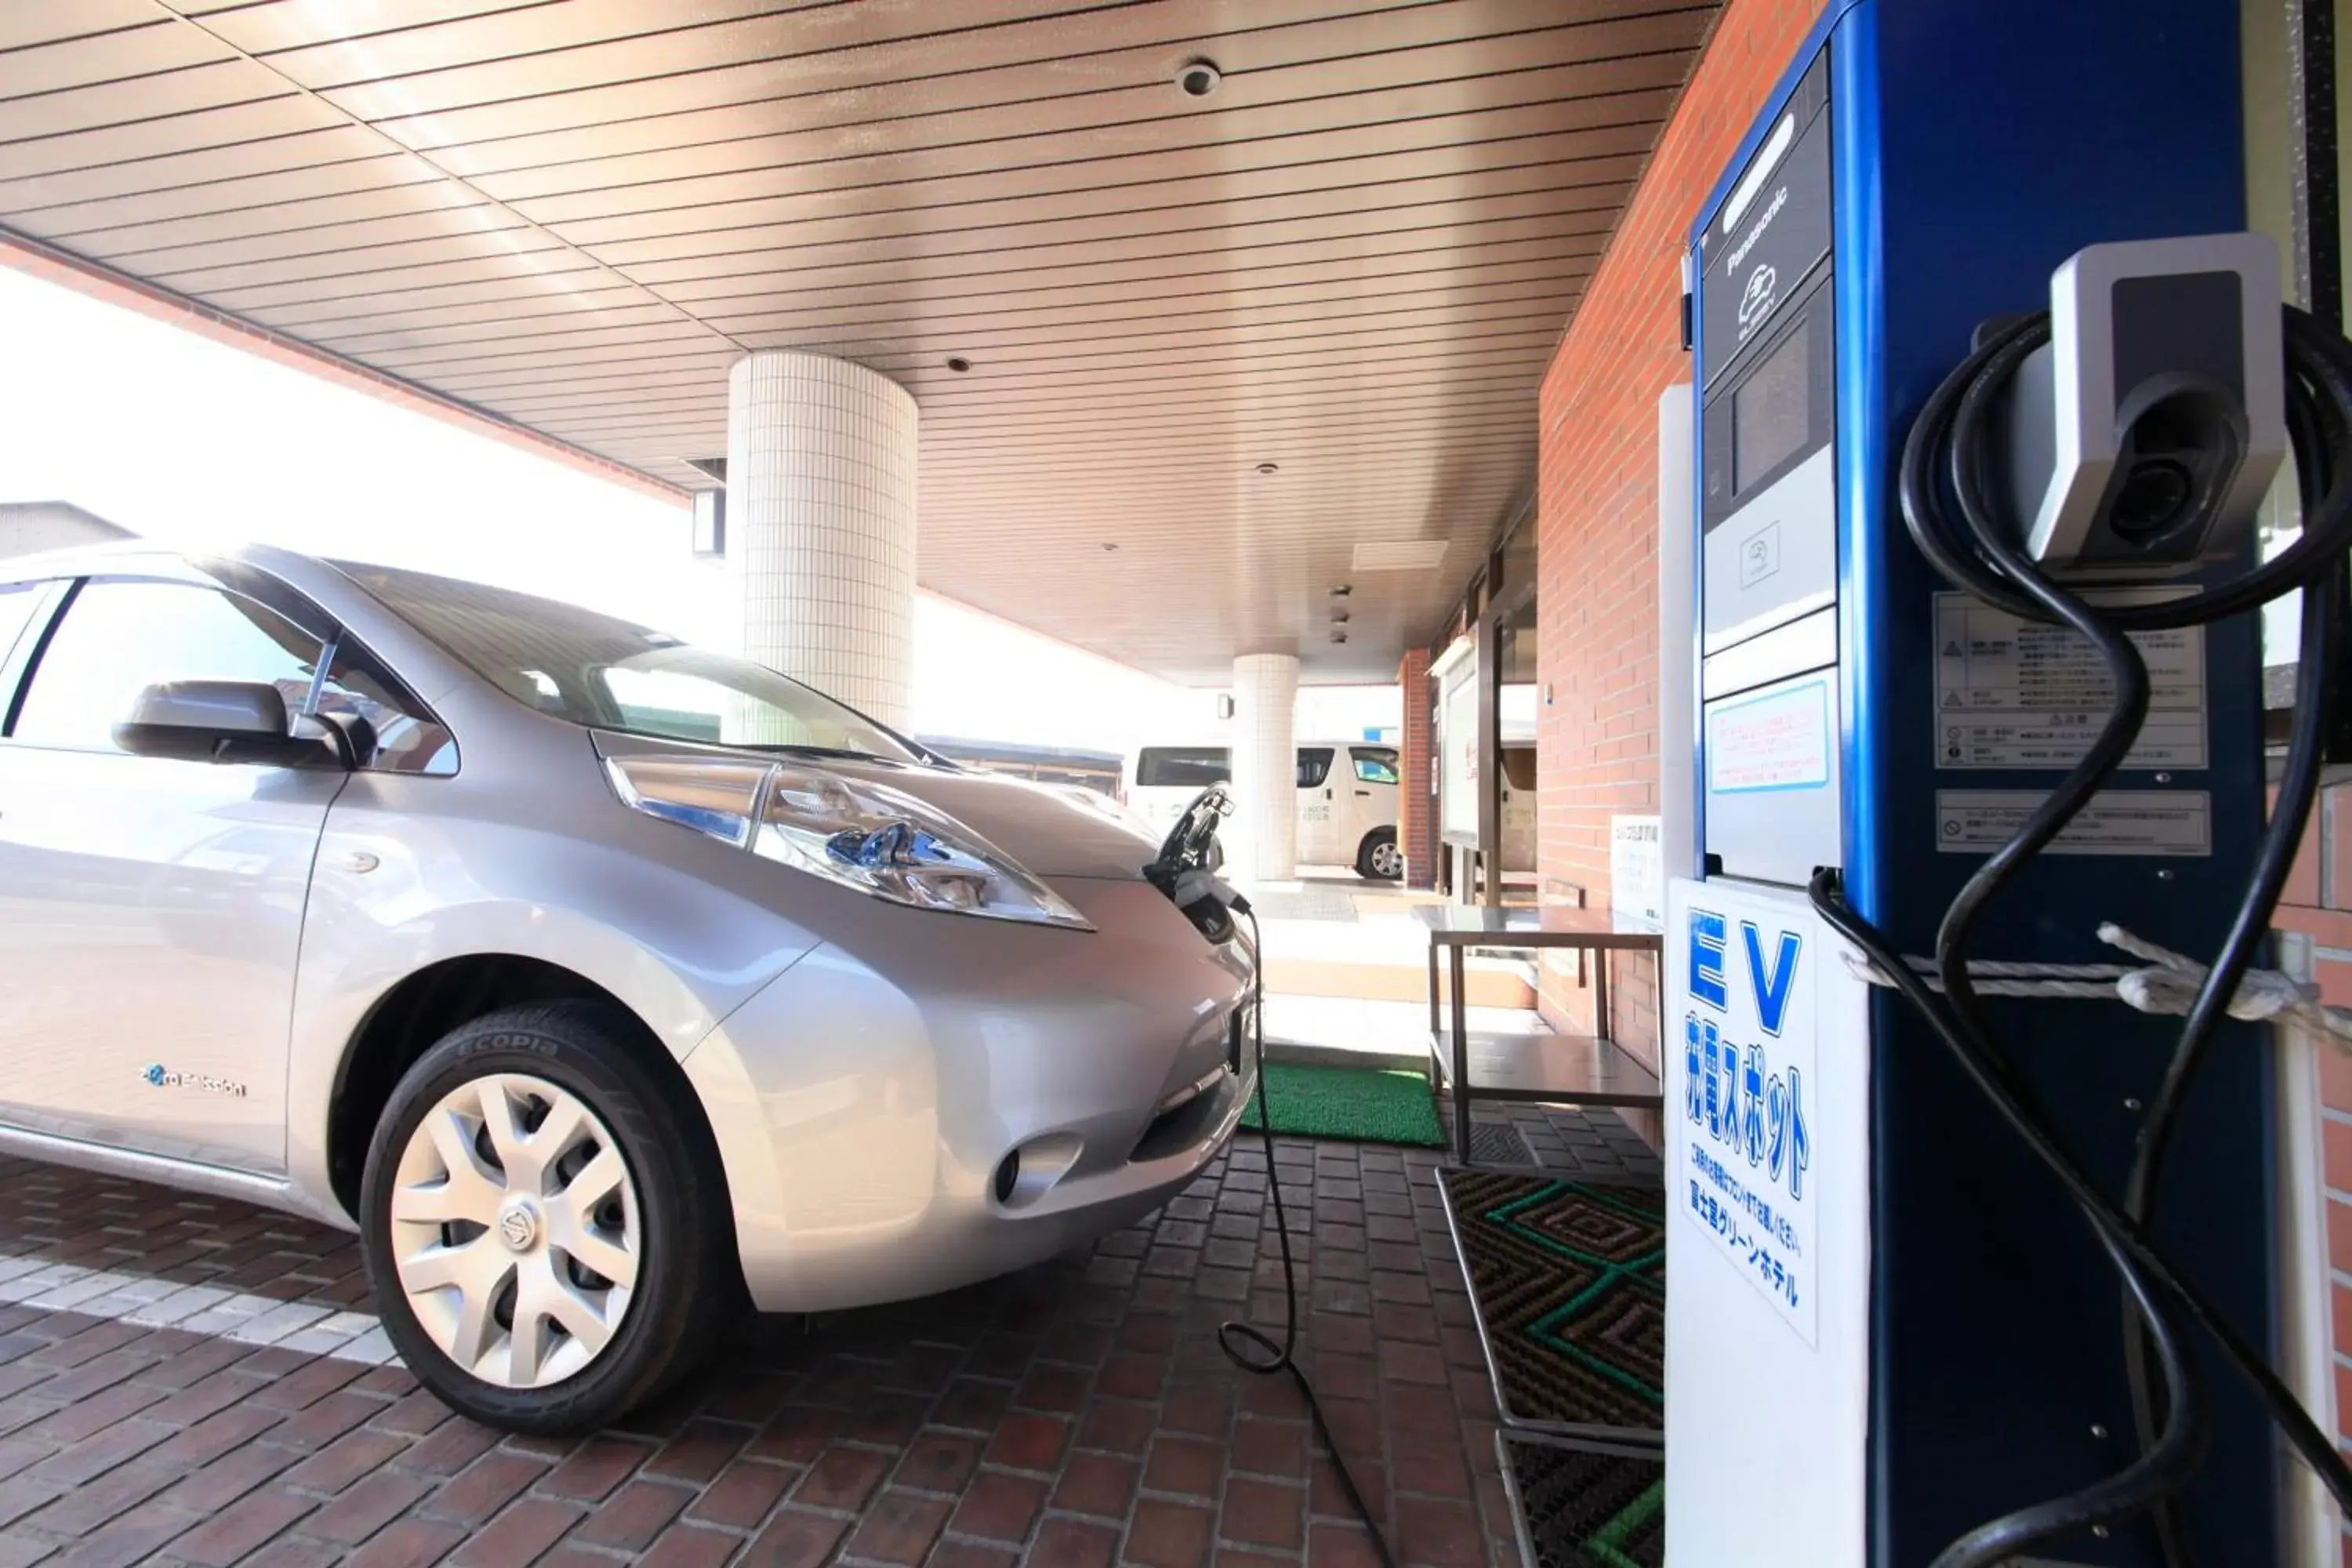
1744,1127
1768,1178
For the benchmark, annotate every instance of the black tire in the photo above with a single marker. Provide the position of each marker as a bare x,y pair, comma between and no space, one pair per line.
688,1283
1369,857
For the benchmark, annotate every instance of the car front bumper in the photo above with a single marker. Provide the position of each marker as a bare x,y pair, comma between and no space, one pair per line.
866,1102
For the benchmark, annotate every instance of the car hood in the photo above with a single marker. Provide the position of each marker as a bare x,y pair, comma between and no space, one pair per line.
1046,829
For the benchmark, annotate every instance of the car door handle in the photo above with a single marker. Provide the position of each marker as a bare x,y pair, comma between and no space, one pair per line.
1363,792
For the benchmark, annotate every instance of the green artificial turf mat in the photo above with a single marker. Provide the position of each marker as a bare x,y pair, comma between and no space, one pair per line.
1367,1105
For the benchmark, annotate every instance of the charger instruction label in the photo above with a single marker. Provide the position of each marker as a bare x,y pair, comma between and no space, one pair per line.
2116,822
2013,693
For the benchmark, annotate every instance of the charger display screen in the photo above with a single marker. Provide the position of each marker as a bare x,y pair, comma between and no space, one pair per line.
1771,412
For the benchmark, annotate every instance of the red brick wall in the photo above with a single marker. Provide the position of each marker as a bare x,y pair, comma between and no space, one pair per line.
1417,818
1597,497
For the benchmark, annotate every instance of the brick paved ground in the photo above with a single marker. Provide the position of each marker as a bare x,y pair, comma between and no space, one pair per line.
1078,1412
61,1216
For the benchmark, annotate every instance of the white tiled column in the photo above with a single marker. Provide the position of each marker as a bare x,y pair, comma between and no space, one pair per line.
821,525
1261,838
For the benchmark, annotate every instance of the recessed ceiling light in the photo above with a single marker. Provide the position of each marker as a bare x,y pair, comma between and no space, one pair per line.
1338,617
959,364
1269,467
1198,78
1341,590
1108,546
1339,636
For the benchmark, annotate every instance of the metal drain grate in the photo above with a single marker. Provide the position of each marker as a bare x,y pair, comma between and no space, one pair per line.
1498,1144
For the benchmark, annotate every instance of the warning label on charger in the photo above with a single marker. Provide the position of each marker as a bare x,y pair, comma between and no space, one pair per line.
2118,822
2013,693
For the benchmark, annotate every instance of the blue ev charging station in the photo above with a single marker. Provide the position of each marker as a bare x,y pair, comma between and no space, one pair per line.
1889,1323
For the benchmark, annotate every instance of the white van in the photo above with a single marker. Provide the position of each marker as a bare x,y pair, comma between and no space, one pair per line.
1347,799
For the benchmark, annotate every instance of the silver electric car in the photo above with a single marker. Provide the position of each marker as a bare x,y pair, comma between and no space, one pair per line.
599,981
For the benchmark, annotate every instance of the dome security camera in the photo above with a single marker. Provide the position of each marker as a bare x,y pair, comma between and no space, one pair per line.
1198,79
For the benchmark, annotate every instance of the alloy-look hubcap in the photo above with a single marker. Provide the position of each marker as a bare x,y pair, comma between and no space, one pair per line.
515,1230
1388,860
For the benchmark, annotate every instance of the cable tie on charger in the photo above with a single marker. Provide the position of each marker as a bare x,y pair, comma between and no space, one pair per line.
2167,983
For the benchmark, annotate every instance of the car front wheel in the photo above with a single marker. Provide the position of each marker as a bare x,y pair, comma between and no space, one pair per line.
1379,860
530,1225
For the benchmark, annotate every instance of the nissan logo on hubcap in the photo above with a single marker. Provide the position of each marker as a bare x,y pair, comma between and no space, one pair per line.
517,1227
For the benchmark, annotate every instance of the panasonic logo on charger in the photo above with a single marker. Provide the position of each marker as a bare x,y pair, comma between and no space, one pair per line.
1748,241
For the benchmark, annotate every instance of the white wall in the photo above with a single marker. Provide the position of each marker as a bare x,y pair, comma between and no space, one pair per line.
980,678
202,445
195,443
1344,712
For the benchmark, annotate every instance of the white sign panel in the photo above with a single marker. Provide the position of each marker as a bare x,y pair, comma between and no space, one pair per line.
2116,822
1768,1169
1778,741
1458,747
2013,693
1637,873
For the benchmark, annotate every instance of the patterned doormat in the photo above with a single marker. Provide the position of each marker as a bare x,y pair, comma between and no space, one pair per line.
1570,1282
1585,1509
1498,1144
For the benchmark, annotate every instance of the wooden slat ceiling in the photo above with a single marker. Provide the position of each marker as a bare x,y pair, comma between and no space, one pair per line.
1351,261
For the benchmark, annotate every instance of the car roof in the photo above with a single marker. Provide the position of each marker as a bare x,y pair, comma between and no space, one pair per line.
71,559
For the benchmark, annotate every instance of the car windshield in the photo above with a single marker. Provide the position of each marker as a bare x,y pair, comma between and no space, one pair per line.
608,674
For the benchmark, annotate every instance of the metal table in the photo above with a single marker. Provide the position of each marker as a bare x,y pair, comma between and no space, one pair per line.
1542,1068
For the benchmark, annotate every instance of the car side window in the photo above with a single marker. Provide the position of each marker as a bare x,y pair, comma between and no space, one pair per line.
17,602
1314,766
1375,767
118,637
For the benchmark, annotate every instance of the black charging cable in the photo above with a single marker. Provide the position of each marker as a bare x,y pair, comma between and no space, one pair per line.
2315,693
1246,1345
1952,450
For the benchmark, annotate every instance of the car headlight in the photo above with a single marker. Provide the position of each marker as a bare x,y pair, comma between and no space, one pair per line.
858,834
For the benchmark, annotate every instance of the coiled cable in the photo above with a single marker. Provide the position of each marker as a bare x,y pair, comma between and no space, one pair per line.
1951,452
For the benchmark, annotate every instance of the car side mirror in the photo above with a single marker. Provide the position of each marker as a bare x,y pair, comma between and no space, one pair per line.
220,722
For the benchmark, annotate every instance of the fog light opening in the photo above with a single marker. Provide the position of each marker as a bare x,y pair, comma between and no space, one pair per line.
1031,1170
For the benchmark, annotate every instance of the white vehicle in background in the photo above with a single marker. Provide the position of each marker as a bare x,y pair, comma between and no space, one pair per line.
1347,799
